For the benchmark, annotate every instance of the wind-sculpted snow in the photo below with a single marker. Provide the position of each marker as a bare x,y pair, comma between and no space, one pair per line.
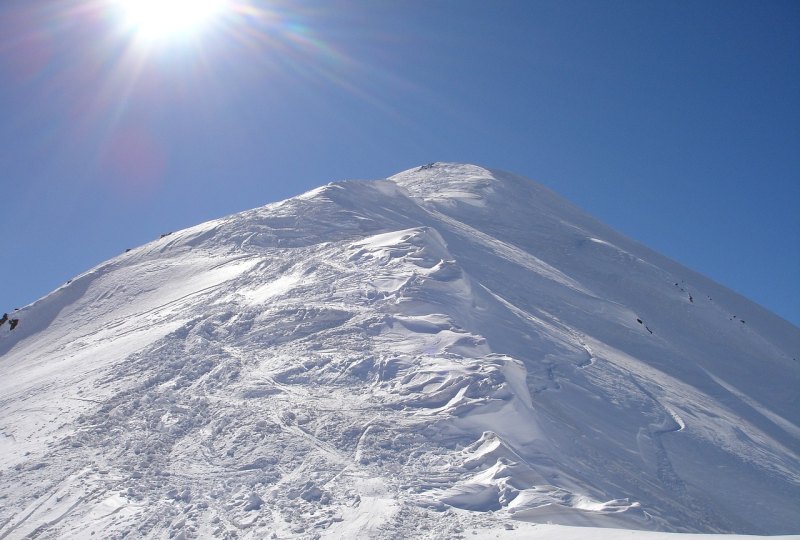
451,352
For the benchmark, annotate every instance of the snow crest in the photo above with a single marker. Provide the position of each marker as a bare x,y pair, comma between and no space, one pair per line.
452,350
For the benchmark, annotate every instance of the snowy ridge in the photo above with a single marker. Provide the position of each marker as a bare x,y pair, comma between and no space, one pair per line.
447,351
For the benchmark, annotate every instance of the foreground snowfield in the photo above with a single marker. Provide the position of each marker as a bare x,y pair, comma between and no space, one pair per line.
453,352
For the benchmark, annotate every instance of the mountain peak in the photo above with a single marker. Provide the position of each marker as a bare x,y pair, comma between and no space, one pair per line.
450,350
453,182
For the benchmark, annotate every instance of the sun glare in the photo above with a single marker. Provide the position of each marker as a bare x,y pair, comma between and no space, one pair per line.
160,19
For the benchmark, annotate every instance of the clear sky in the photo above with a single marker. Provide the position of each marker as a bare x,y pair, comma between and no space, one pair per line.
676,122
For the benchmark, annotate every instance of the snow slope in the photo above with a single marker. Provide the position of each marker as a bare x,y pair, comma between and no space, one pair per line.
449,352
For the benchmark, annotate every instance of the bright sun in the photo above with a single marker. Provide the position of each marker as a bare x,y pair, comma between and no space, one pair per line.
160,19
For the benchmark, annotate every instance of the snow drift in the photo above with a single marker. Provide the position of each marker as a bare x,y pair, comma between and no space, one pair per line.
449,350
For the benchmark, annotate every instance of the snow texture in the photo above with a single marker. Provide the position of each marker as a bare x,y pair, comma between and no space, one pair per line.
452,352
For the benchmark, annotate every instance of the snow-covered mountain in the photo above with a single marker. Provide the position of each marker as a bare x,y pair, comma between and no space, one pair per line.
449,352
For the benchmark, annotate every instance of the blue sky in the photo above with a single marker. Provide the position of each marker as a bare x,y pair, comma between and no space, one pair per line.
678,123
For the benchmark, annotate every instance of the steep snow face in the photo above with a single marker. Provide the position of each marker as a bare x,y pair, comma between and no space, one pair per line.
449,350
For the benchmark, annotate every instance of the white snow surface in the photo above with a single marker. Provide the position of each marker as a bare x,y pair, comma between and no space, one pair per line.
452,352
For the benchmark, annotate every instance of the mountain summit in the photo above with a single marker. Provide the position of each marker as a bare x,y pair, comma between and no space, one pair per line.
451,350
